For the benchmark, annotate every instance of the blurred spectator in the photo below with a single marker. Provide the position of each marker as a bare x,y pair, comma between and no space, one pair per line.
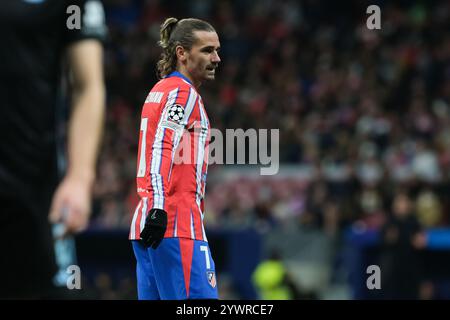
273,281
428,208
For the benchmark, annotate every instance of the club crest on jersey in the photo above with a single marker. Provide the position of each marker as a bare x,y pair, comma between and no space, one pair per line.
211,278
176,113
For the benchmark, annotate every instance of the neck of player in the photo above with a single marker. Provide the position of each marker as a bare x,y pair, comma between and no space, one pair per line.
185,73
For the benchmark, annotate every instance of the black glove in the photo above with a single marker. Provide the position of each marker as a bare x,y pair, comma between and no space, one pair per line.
155,228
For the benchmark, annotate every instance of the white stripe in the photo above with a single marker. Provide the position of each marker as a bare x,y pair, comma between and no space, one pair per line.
192,227
207,151
144,214
157,185
201,150
176,226
200,161
175,140
154,178
186,82
197,199
160,196
133,222
189,106
203,230
154,97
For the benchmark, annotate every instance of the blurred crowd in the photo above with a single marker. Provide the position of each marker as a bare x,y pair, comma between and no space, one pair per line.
365,112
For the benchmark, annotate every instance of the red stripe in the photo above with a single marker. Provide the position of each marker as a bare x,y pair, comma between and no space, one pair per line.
171,217
184,222
186,250
183,95
202,207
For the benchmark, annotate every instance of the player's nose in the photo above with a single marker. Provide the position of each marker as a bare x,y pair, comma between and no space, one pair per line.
215,58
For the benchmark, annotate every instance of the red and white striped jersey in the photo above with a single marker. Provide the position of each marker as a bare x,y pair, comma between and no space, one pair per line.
172,159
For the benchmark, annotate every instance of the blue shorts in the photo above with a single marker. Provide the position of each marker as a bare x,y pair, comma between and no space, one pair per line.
178,269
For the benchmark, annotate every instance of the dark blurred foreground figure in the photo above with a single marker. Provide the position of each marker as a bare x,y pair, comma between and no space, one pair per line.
402,238
36,186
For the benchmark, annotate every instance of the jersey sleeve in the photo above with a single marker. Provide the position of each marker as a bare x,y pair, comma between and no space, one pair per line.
174,117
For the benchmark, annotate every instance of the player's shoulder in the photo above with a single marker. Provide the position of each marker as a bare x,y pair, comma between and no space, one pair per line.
173,83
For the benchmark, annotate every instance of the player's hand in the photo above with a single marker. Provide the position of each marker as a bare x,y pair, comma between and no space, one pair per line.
71,204
154,229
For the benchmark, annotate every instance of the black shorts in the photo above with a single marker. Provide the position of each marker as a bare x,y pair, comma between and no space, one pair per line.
27,259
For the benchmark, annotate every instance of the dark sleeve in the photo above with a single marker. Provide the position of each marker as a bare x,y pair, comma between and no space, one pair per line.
85,20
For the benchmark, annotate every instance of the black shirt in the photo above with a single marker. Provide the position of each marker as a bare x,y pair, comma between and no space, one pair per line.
33,37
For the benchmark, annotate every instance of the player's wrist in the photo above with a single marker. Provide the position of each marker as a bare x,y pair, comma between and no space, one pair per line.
84,177
158,210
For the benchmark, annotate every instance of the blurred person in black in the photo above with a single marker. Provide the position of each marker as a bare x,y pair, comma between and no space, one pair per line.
35,185
402,238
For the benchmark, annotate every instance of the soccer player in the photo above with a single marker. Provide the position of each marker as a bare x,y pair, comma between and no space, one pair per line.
173,257
36,46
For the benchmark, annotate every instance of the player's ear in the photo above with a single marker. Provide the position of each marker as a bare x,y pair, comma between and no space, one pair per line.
181,53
